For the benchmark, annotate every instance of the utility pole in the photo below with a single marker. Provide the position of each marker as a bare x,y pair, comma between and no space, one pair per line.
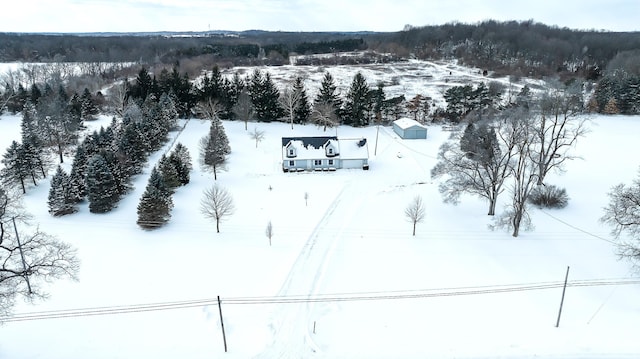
564,289
24,263
224,337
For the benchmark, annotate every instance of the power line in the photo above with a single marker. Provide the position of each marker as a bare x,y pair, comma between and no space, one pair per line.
320,298
576,228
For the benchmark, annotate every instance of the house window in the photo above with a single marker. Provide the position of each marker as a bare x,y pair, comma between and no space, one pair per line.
292,163
330,162
330,150
291,152
317,162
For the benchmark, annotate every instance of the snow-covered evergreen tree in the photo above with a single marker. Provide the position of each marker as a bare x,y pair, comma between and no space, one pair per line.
169,172
168,112
77,188
131,147
120,172
16,169
214,147
102,187
153,129
182,161
88,107
156,203
59,200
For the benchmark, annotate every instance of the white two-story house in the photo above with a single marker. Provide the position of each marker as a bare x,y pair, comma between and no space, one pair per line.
323,153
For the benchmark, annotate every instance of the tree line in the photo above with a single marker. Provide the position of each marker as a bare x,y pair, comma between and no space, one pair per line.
525,48
151,48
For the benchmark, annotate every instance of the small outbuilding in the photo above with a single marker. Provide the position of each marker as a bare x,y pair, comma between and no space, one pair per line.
409,129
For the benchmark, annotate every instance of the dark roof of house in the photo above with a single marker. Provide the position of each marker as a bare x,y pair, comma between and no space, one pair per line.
316,142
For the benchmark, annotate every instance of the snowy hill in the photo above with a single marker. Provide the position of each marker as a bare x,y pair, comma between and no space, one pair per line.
343,277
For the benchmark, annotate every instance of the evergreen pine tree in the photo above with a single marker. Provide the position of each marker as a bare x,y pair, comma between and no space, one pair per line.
131,148
59,201
215,147
327,92
33,146
265,97
102,188
168,113
169,172
154,131
302,111
468,140
142,86
77,189
88,107
357,102
35,94
328,95
15,170
182,161
121,174
156,203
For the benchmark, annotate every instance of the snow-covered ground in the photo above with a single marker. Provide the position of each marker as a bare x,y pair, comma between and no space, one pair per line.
343,277
368,288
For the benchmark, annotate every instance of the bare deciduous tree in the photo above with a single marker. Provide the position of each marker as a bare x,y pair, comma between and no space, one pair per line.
324,115
217,204
289,101
257,135
28,259
623,215
518,134
306,199
476,162
558,128
415,212
209,109
269,232
243,108
117,98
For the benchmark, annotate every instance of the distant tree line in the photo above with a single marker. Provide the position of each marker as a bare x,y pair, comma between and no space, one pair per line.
167,49
525,48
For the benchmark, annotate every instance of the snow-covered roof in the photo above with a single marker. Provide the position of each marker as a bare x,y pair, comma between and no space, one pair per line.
353,148
405,123
309,148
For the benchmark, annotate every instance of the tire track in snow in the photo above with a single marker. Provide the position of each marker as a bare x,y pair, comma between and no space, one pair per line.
291,323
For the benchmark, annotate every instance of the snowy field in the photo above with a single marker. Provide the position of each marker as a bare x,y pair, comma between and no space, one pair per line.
343,278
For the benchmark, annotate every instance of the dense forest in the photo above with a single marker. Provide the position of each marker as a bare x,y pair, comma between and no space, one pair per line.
523,48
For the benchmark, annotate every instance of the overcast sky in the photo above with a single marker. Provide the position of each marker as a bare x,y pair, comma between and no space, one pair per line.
305,15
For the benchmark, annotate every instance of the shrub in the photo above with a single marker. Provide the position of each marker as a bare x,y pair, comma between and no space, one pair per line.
549,196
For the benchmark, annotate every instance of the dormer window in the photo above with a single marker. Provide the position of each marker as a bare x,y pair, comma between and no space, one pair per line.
330,150
291,151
